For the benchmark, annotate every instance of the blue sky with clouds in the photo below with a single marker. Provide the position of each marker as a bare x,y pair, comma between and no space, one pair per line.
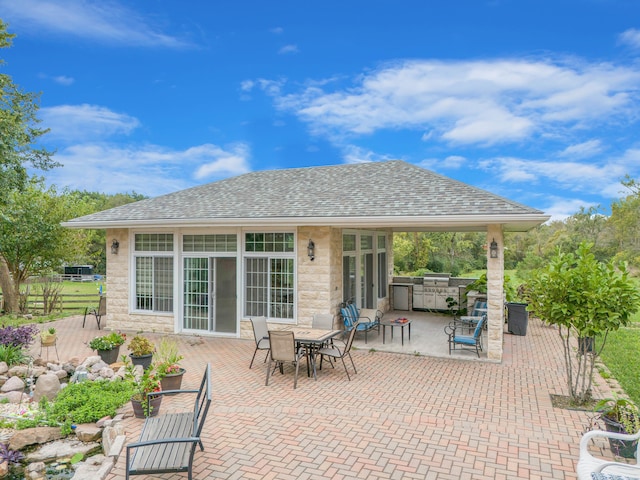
534,100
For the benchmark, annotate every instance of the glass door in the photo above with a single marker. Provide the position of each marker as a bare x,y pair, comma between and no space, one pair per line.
210,294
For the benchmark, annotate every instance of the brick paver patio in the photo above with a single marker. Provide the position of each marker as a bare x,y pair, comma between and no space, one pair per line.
402,416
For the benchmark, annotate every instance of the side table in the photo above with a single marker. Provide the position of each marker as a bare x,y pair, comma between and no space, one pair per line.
398,322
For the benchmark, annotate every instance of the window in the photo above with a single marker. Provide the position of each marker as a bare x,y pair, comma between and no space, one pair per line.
209,243
269,276
153,272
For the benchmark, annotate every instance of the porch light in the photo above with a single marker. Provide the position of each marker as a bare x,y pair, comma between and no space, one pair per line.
311,250
493,249
115,245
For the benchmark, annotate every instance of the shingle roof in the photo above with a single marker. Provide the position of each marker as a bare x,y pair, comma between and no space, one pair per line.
369,192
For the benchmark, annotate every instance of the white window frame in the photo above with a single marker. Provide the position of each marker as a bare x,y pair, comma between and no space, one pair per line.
270,256
152,254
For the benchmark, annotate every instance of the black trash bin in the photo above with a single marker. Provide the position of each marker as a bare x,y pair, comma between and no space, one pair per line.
517,318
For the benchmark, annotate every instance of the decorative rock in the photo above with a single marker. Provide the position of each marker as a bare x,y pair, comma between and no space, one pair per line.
4,368
103,421
36,467
88,432
117,446
13,384
32,436
47,385
90,361
106,372
16,396
60,374
110,438
60,449
96,367
95,467
4,469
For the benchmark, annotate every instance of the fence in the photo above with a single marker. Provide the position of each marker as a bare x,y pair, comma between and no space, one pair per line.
73,303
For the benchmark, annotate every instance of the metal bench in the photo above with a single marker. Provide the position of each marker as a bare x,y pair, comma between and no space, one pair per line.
168,441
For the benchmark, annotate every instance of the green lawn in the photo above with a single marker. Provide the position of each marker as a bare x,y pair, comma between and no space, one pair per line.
621,354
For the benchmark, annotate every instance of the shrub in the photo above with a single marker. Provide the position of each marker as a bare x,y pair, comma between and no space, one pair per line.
12,457
108,342
12,355
22,336
87,402
139,346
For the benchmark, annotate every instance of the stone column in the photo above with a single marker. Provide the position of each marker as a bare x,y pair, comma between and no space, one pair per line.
495,294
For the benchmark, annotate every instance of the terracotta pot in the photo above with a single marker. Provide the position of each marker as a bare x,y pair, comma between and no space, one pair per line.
138,411
109,356
172,381
143,360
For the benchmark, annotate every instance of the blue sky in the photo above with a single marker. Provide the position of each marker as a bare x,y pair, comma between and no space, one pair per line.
534,100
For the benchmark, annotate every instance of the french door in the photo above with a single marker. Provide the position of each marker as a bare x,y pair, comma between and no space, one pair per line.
210,297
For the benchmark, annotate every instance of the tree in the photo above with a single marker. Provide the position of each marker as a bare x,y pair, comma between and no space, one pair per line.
19,134
625,222
33,241
584,298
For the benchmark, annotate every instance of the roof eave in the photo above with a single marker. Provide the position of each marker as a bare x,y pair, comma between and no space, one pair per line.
511,222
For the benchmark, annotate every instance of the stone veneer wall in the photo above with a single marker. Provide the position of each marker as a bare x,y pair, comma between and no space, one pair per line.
118,288
495,295
314,295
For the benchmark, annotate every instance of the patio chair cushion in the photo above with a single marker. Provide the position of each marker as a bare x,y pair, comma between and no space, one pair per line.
609,476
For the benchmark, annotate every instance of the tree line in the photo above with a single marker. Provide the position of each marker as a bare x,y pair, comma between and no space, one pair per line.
614,237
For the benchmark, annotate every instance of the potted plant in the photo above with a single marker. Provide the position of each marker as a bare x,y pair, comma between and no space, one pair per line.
145,382
48,337
141,349
168,364
108,346
620,415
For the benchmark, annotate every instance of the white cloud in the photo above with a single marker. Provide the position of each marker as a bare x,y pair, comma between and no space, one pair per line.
150,170
233,161
630,37
288,49
603,178
59,79
583,150
469,102
64,80
562,208
355,154
105,21
73,123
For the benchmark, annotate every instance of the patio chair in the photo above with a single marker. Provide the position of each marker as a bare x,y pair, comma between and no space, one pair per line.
606,469
323,321
465,341
352,316
97,312
334,352
261,336
283,349
470,321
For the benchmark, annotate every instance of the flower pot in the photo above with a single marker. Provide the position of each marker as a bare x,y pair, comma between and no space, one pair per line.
586,345
109,356
48,340
138,410
143,360
172,381
622,448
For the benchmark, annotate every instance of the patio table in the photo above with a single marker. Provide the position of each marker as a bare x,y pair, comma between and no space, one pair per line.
312,339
